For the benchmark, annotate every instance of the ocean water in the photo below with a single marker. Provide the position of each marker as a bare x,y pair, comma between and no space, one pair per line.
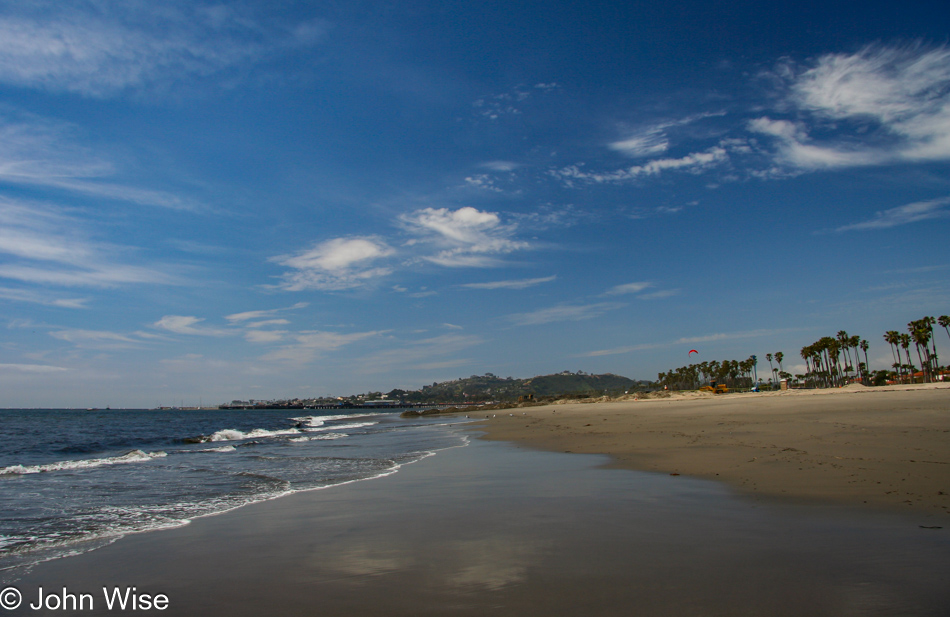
74,480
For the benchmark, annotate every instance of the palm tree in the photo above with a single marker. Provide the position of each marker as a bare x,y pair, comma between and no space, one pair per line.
893,338
779,356
905,343
855,342
806,356
843,339
867,367
944,320
768,357
920,333
929,322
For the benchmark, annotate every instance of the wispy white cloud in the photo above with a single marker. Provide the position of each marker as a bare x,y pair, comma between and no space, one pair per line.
564,312
307,345
722,336
265,336
500,165
904,215
628,288
101,51
34,297
513,284
795,148
877,106
341,263
46,153
649,143
268,322
422,354
549,215
691,340
654,139
33,368
249,315
660,294
695,162
96,339
509,103
96,275
467,237
186,324
47,246
483,181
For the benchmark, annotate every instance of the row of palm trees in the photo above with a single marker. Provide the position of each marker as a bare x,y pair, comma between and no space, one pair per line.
734,373
831,361
920,333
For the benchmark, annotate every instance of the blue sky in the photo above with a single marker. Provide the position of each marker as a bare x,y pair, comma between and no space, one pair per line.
215,201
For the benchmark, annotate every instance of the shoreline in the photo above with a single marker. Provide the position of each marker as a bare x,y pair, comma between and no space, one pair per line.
461,534
884,448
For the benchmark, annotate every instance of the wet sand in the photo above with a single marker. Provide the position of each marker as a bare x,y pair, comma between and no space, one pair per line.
495,528
869,447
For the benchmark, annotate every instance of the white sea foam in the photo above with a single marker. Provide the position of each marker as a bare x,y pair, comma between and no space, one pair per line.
135,456
230,434
341,427
322,436
219,449
317,421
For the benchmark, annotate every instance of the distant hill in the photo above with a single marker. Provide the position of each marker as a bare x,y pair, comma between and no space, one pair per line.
489,387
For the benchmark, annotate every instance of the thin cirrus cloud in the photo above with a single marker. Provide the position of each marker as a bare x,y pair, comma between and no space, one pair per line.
33,297
695,162
420,355
512,284
564,312
660,294
45,245
654,140
100,53
33,368
186,324
692,340
97,339
45,153
264,314
903,215
628,288
265,336
308,345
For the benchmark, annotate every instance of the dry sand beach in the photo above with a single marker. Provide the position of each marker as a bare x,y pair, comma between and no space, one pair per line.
880,447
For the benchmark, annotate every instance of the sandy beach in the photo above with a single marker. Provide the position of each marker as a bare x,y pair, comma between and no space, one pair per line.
819,504
494,528
883,447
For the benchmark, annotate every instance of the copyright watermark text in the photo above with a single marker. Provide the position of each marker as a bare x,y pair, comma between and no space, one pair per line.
111,598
